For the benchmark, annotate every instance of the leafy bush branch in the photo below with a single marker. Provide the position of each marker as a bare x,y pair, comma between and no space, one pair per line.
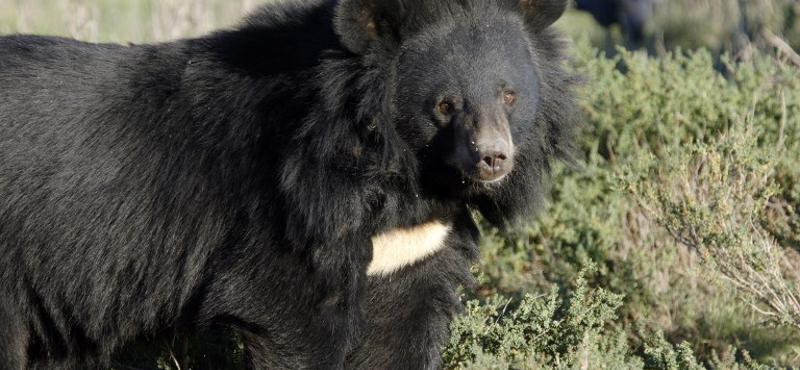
713,197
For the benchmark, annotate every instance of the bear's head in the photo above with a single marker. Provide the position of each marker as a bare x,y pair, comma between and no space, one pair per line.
475,88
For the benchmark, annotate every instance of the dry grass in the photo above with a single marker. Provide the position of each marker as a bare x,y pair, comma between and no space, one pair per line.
121,21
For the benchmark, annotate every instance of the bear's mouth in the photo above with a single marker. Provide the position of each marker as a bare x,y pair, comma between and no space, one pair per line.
472,183
492,181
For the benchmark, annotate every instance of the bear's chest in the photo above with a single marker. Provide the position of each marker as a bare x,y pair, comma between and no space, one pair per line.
398,248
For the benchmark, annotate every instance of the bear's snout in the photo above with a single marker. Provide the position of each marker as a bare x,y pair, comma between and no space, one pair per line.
494,159
483,148
493,144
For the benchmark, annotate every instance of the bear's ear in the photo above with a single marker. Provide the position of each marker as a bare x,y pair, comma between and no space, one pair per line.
540,14
360,22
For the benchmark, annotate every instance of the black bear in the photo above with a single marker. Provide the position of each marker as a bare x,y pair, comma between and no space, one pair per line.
306,179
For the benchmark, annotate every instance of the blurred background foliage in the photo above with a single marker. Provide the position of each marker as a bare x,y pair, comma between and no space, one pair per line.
675,246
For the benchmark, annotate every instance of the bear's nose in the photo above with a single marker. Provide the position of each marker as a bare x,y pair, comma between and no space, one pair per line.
494,162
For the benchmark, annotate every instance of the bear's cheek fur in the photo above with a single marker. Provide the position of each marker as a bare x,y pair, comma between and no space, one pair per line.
418,132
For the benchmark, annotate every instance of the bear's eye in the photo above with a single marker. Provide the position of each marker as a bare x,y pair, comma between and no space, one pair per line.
509,97
444,108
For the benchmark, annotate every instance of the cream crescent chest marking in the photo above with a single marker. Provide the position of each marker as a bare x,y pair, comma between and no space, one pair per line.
398,248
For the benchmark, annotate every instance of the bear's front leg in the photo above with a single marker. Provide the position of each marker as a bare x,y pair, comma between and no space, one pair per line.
312,314
408,310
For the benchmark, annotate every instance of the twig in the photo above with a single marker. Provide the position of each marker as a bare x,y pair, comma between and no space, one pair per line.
783,119
172,355
784,48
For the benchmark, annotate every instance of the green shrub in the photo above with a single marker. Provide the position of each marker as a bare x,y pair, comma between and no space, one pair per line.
713,198
540,332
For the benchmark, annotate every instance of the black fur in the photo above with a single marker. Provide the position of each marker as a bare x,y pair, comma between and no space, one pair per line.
236,179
